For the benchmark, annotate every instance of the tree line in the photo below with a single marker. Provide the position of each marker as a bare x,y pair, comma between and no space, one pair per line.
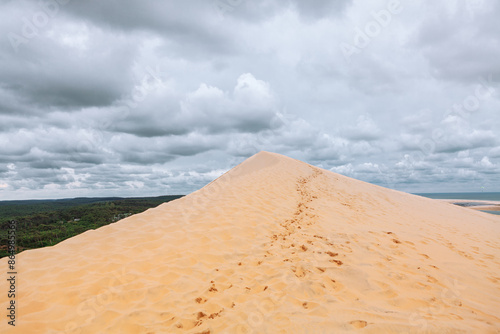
46,223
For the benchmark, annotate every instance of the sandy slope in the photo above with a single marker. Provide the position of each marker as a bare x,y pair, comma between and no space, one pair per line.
273,246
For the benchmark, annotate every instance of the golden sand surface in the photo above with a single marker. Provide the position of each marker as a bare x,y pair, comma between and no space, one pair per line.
273,246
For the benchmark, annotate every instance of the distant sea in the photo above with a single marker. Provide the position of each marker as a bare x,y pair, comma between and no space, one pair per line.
471,196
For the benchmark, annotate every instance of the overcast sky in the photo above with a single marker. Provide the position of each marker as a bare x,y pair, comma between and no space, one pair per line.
145,98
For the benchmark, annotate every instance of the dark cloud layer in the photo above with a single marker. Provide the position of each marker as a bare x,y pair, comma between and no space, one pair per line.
129,98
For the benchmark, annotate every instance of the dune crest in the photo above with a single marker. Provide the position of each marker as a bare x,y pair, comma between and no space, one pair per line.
273,246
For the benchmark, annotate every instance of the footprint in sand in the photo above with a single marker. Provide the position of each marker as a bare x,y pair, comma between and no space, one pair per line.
466,255
359,323
431,279
338,262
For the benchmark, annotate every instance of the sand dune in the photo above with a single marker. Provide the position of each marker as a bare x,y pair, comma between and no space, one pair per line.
273,246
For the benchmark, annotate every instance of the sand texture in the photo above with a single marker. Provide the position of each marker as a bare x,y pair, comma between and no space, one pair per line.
273,246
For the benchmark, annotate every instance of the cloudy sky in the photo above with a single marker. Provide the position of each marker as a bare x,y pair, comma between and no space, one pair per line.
145,98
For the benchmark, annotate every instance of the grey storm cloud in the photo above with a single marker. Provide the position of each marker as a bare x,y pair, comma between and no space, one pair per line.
129,98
